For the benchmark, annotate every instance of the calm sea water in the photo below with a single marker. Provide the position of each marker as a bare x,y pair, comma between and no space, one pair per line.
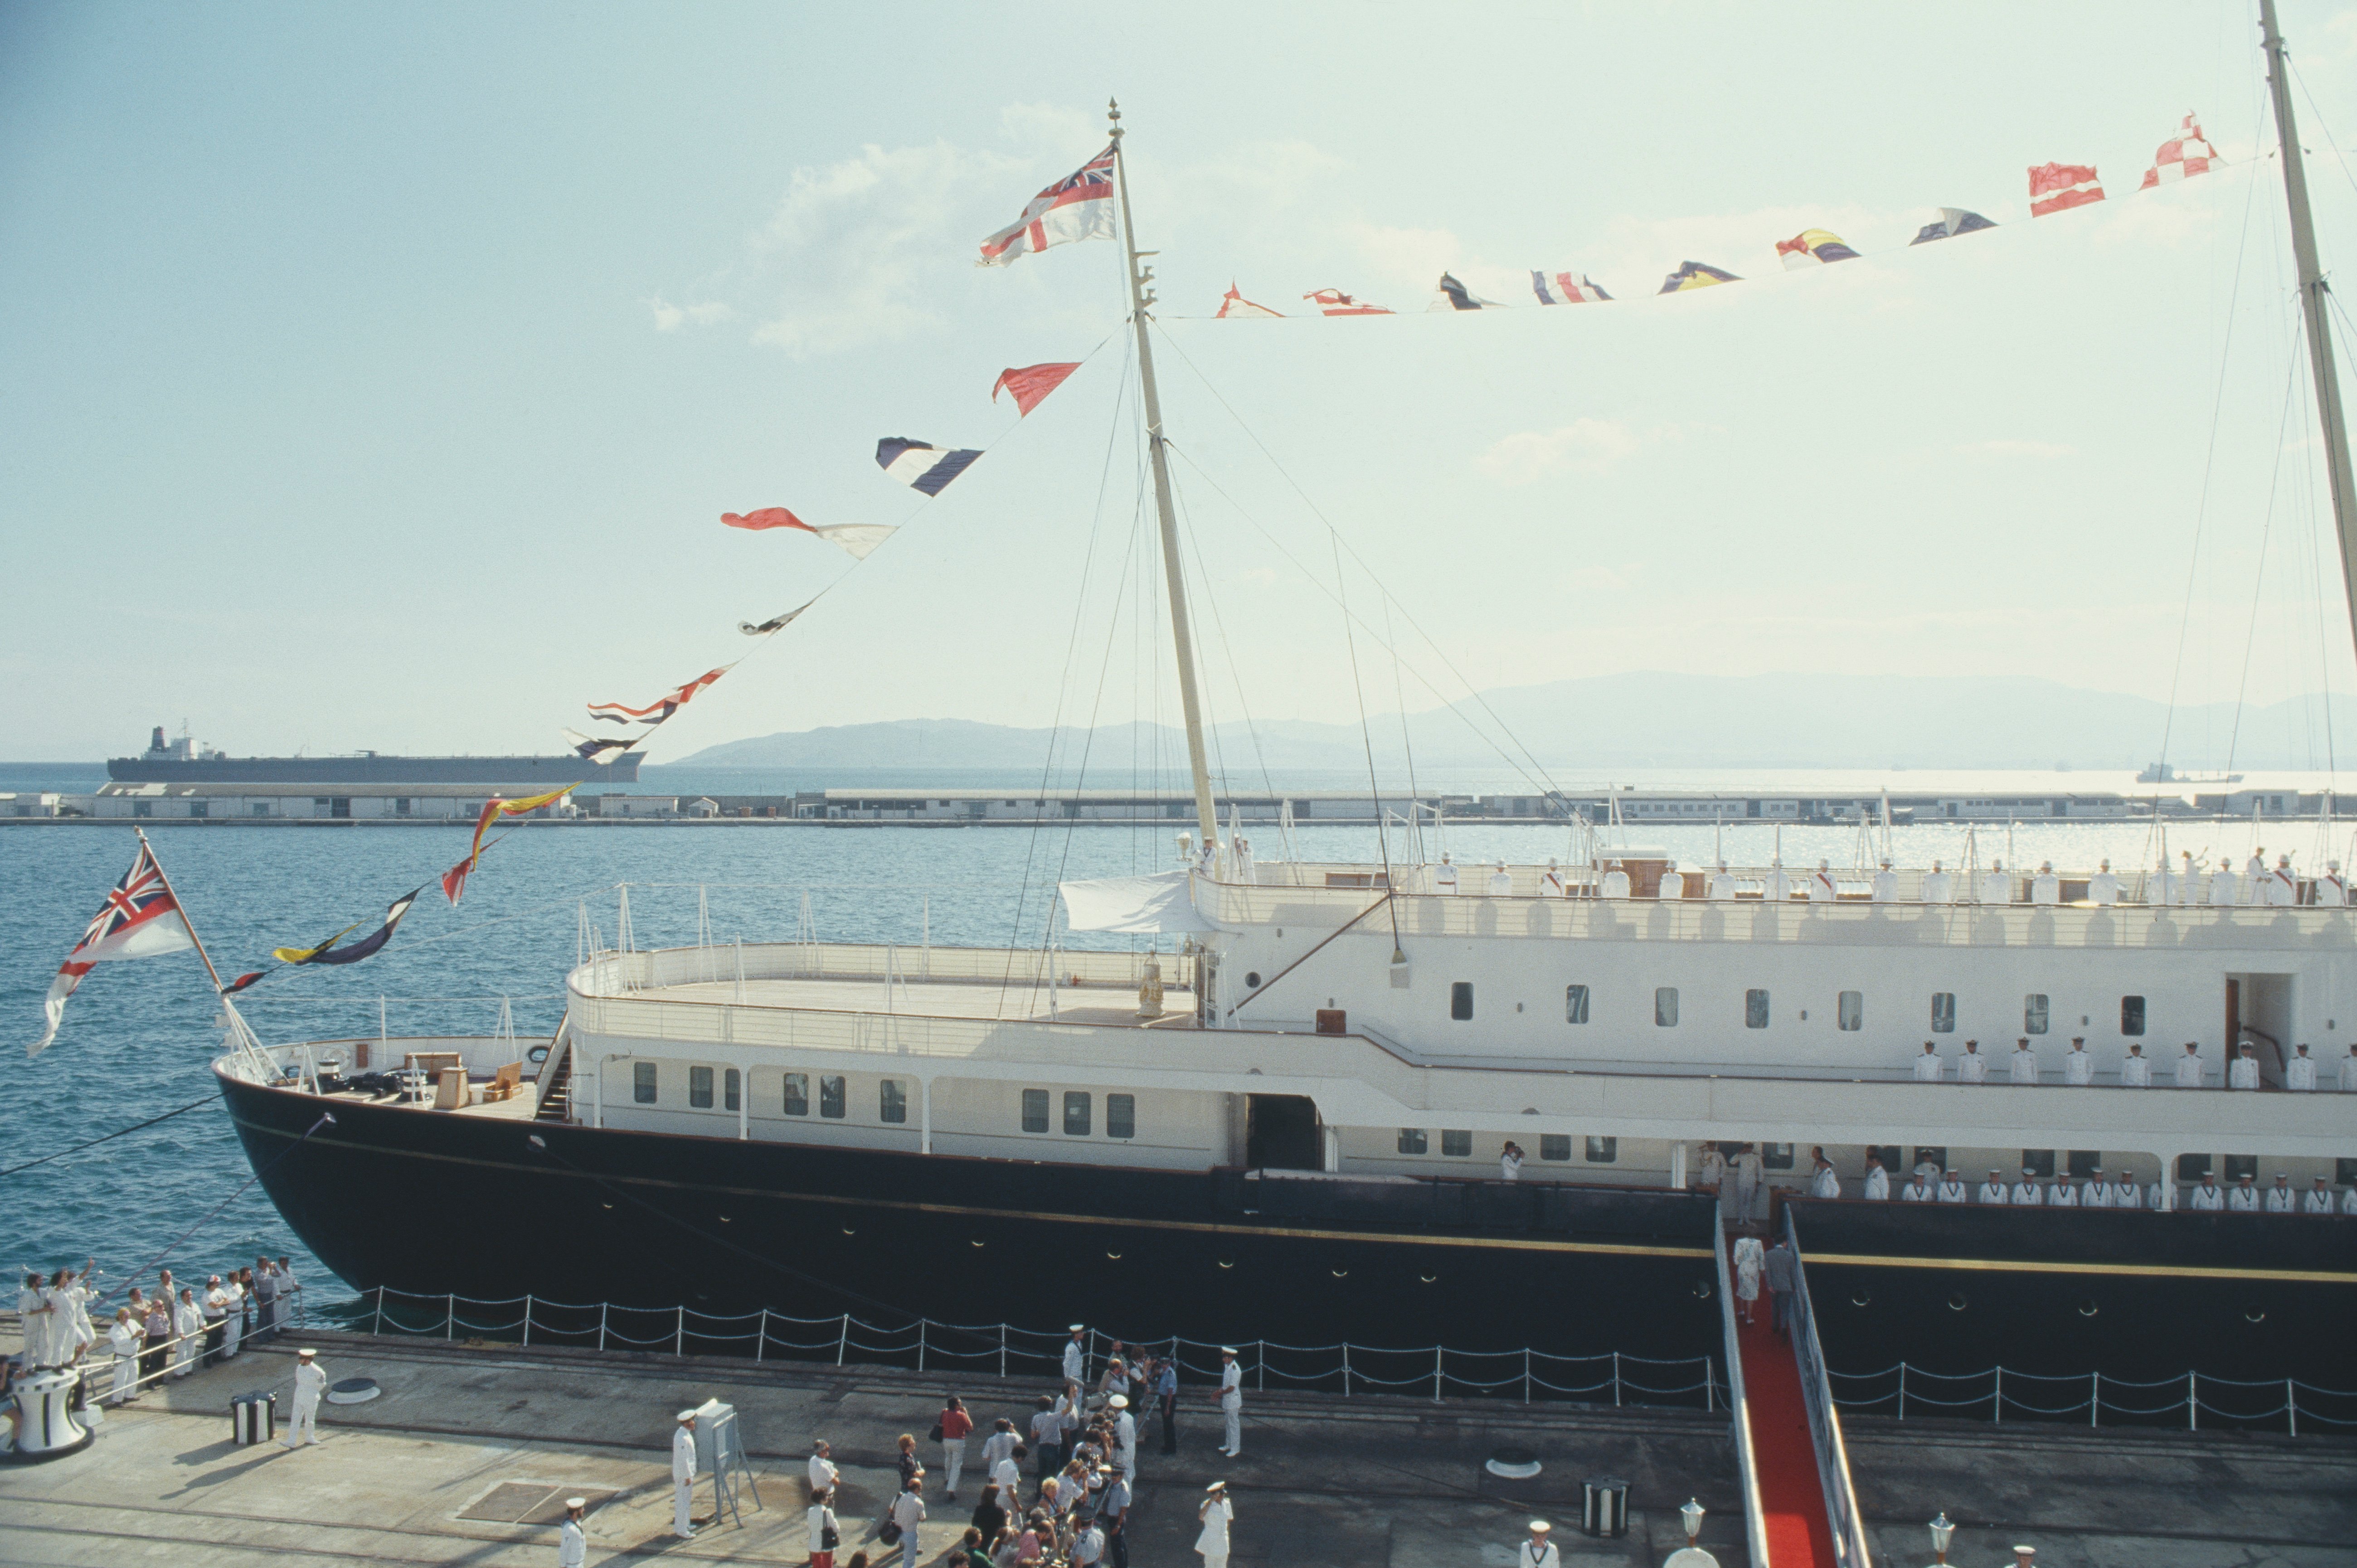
138,1035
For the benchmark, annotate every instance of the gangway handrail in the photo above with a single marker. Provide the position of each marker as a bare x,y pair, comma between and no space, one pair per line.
1754,1518
1848,1528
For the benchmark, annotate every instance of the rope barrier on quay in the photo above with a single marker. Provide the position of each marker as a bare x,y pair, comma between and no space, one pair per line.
2191,1405
1007,1350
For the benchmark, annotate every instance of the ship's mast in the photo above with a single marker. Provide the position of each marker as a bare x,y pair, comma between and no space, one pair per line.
1183,630
2313,312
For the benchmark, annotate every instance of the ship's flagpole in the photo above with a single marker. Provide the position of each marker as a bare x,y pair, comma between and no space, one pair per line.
183,909
1183,630
2312,288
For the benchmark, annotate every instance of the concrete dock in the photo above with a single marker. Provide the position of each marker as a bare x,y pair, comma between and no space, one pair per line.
466,1439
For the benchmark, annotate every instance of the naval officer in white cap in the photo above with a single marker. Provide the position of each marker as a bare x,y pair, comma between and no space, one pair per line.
310,1382
682,1475
1232,1403
1076,1355
572,1545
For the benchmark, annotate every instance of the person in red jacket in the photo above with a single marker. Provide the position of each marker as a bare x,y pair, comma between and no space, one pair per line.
952,1430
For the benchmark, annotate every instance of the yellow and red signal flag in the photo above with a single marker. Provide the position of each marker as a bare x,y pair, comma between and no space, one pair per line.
492,812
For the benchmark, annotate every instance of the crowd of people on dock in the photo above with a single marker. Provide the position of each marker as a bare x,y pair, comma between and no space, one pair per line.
1080,1445
169,1329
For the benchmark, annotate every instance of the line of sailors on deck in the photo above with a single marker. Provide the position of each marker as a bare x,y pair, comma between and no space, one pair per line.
2278,886
2022,1065
1931,1185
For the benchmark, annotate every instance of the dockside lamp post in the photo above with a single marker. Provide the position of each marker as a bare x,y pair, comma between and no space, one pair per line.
1941,1533
1691,1555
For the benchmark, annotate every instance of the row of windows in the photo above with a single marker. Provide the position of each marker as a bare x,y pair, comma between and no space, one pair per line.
1552,1146
1849,1009
1120,1118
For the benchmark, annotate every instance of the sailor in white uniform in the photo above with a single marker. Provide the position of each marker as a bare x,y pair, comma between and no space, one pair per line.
2168,885
1722,883
2318,1199
1444,875
2299,1073
1951,1188
2126,1194
2063,1195
2189,1068
2221,885
1778,889
2244,1199
2135,1072
1886,885
1217,1512
1245,872
2188,878
2024,1063
2045,887
1510,1162
2281,1200
1823,1182
2245,1071
2027,1193
2349,1201
1971,1067
2078,1067
682,1476
1822,887
2255,876
1876,1187
1076,1355
2283,884
572,1545
1993,1190
1928,1067
1232,1403
2104,887
1551,884
310,1382
1538,1552
2349,1075
1916,1190
2331,888
1939,887
1996,886
2208,1198
1616,882
1672,885
1502,882
2096,1194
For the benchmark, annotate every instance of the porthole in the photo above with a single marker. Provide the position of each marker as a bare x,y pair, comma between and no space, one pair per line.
2254,1317
1340,1273
537,1055
1702,1290
1227,1263
1956,1303
2088,1308
1860,1298
1115,1256
977,1243
849,1232
1427,1278
1252,980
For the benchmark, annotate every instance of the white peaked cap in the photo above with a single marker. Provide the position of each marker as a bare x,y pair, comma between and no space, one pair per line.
687,1416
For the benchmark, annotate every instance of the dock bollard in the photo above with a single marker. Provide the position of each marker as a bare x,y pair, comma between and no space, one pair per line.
1604,1507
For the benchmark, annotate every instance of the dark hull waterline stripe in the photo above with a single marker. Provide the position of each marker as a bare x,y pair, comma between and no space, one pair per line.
2037,1266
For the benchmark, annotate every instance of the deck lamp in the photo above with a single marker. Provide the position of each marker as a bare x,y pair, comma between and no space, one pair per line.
1692,1513
1941,1533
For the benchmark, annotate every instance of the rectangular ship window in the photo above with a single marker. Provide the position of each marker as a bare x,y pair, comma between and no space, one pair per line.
831,1097
642,1082
2084,1163
892,1100
1776,1156
1555,1146
1575,1005
1849,1010
797,1094
2033,1013
1121,1116
1603,1151
1943,1011
731,1090
2241,1165
2344,1173
1459,1144
1755,1009
2131,1015
1035,1110
1665,1007
1460,1001
2038,1161
1413,1141
1076,1114
699,1087
2192,1167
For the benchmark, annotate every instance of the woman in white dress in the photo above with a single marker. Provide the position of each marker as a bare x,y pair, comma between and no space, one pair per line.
188,1328
125,1337
1751,1258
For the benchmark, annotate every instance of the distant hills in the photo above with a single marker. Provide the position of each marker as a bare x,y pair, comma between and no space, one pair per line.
1652,720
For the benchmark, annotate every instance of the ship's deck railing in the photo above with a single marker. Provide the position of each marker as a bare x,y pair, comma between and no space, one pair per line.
1997,1393
1017,969
1848,923
1007,1350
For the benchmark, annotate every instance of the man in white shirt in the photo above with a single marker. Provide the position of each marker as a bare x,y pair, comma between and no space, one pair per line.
909,1512
1076,1355
2281,1200
2245,1072
2349,1072
2245,1197
1971,1067
1232,1407
2104,887
1444,876
2024,1064
1939,887
1125,1436
2135,1072
998,1445
2208,1198
2096,1194
682,1475
2189,1068
2045,887
310,1382
1876,1188
2078,1067
1008,1473
1510,1162
572,1544
2318,1201
1916,1191
823,1473
2027,1193
1951,1188
1928,1067
1993,1190
2299,1073
1538,1552
2222,890
2168,885
1886,885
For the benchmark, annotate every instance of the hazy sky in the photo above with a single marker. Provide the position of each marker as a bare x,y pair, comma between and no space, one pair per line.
376,376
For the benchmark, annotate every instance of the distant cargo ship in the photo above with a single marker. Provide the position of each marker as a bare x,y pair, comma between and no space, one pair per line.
184,761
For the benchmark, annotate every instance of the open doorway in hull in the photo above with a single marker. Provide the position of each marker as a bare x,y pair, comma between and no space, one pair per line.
1282,1134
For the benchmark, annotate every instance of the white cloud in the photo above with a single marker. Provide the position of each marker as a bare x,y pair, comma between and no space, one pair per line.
670,318
1584,446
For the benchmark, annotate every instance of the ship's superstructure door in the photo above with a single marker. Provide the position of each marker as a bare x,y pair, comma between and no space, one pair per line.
1282,1134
